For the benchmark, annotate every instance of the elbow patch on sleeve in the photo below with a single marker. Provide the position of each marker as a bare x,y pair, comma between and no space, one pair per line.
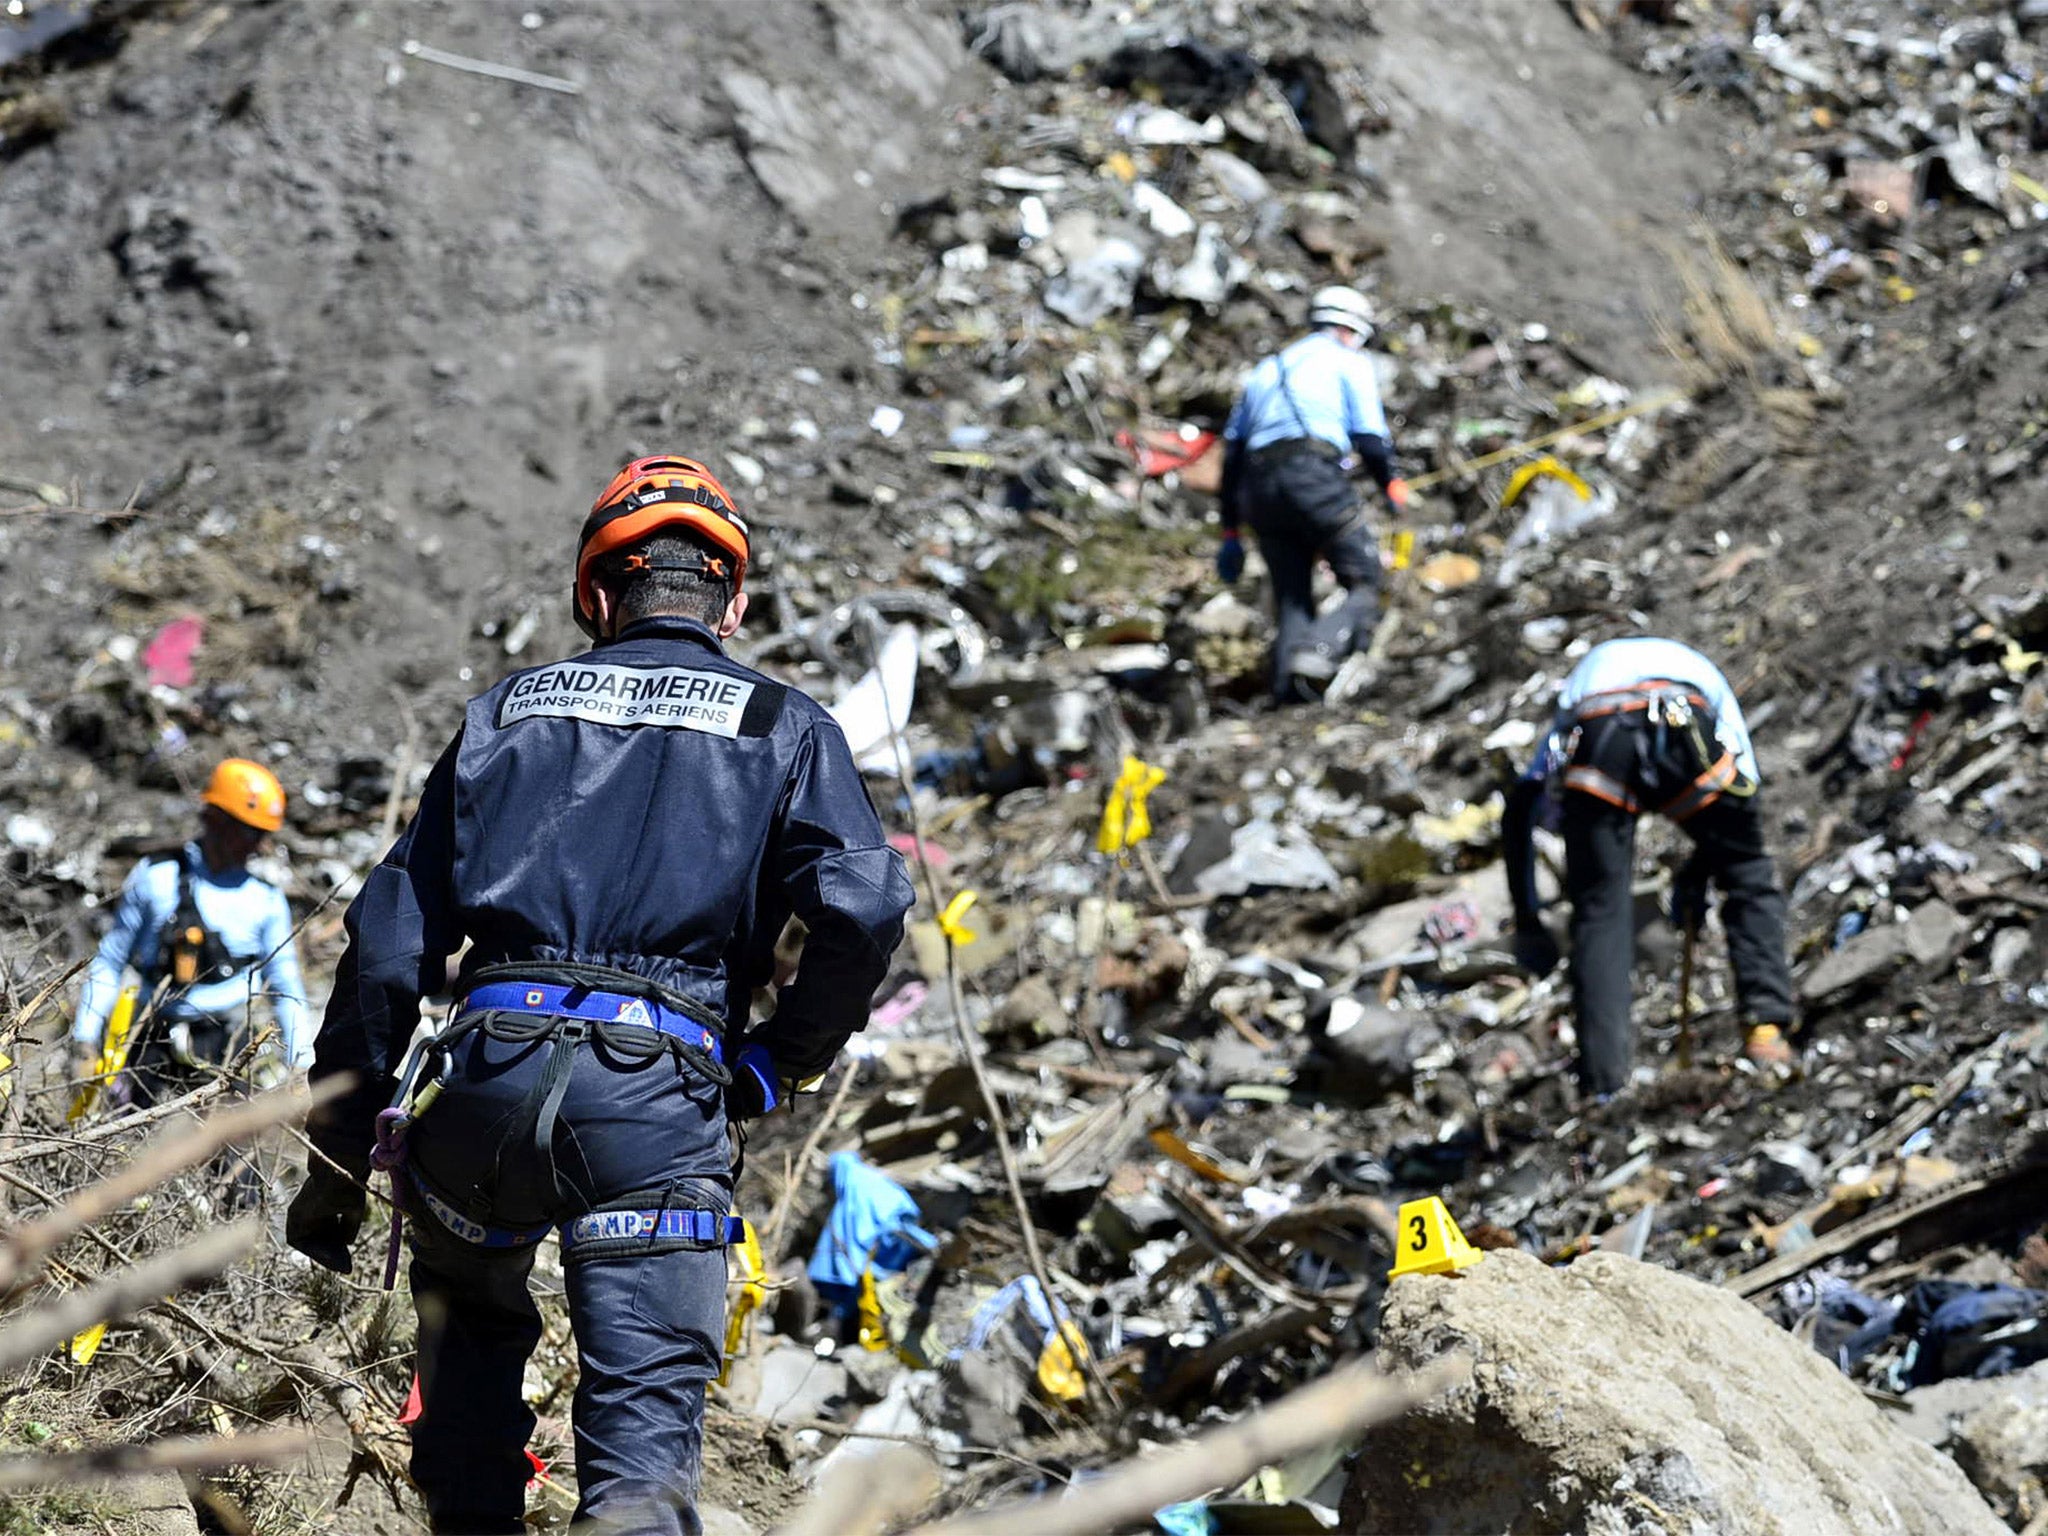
868,887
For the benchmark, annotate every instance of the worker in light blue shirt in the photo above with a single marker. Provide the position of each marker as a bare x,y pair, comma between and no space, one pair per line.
1622,664
1307,415
1647,724
208,938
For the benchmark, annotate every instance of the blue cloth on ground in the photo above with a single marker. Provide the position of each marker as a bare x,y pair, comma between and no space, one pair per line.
873,1221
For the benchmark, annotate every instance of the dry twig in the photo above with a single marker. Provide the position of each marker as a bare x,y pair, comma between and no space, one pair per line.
124,1293
186,1454
133,1120
22,1252
1335,1409
970,1041
772,1239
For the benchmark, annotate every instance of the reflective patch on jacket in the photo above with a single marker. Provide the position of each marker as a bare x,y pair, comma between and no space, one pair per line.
603,694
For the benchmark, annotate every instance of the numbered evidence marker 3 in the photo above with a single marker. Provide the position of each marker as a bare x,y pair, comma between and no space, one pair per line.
1429,1242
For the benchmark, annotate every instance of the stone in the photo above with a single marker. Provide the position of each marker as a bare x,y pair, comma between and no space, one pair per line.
1997,1432
151,1504
1616,1397
1369,1050
797,1384
1932,935
1033,1011
2012,953
720,1521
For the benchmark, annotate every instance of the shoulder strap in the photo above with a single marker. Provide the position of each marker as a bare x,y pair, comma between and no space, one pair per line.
1280,367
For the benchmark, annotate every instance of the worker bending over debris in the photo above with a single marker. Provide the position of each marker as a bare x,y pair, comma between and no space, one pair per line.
1308,414
1648,725
207,936
621,838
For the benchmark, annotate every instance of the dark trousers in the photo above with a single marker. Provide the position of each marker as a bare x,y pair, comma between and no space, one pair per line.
1300,506
648,1315
157,1073
1599,843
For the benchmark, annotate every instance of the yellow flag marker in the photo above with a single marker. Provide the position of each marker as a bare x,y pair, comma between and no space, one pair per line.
951,921
753,1270
874,1331
1430,1242
1125,820
1529,474
87,1344
1060,1363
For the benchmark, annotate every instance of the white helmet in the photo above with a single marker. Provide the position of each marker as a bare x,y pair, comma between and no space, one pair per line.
1342,306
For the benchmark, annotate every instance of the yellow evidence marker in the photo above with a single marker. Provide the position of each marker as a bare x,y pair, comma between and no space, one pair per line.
1429,1242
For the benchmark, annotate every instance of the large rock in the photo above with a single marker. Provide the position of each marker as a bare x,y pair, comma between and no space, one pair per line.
1615,1397
1997,1431
1932,935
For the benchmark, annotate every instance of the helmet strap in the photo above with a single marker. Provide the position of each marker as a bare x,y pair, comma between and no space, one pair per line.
713,566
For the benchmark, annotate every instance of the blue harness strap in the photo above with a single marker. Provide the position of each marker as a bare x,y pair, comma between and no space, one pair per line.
474,1232
626,1226
597,1227
596,1007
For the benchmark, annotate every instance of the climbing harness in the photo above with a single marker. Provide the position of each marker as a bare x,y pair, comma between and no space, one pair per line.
562,1006
190,953
1665,706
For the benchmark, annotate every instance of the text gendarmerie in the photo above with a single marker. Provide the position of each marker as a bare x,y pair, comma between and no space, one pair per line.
613,695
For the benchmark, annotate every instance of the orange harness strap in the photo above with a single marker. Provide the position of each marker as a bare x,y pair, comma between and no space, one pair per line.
1637,696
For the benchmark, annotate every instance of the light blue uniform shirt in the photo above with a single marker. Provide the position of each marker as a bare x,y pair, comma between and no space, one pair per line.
1317,387
1623,664
251,917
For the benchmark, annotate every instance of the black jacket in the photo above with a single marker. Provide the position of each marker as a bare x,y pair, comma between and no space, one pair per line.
652,806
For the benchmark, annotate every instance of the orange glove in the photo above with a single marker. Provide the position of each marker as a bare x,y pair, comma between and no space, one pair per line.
1397,493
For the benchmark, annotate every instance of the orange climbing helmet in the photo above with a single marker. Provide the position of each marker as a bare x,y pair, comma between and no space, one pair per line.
647,496
247,791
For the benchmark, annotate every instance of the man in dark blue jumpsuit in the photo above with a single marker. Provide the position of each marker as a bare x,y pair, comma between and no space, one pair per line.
621,838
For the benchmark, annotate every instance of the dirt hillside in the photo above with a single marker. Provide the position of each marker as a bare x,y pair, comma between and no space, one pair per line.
321,323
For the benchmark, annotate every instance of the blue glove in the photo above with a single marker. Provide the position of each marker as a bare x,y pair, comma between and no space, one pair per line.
1230,559
1689,901
755,1088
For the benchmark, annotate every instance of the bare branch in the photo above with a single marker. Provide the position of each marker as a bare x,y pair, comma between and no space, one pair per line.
772,1238
106,1129
188,1454
22,1252
123,1293
24,1016
1336,1408
859,1498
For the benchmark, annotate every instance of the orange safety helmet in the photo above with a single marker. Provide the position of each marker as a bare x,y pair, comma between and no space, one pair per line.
247,791
647,496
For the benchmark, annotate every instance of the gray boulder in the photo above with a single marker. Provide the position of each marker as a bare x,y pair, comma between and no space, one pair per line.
1620,1399
1997,1431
